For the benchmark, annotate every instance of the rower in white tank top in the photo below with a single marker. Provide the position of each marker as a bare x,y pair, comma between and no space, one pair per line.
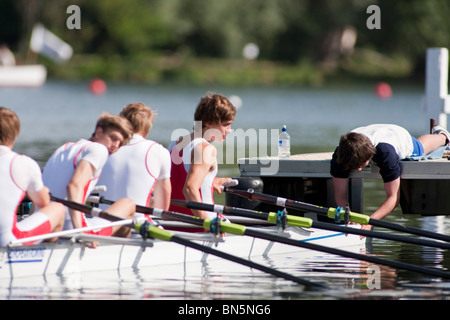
133,170
61,166
18,174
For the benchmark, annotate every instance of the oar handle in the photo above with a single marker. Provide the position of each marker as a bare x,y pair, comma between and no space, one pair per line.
96,212
229,183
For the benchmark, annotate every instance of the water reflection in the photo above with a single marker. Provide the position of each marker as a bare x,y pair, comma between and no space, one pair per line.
347,279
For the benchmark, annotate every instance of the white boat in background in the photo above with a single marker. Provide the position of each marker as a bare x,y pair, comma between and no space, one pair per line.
71,255
42,42
23,75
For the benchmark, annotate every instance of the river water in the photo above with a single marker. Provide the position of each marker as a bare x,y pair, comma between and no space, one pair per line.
315,117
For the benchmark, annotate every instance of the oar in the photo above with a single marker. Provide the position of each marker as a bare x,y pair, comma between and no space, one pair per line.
237,229
334,213
69,232
296,221
152,231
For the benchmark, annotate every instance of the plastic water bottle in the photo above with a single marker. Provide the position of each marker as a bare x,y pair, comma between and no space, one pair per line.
284,144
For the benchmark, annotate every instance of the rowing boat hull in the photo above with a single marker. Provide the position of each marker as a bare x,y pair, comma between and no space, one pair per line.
69,256
22,76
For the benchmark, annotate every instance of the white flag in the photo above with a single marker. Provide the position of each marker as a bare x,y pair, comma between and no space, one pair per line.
46,43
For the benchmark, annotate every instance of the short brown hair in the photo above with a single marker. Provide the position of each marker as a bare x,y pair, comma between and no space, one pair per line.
354,150
140,116
108,121
9,126
214,109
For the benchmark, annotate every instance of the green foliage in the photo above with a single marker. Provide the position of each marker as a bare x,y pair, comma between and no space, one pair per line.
202,40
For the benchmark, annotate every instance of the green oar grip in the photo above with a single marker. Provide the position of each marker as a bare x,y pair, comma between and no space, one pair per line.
291,220
155,232
226,227
354,217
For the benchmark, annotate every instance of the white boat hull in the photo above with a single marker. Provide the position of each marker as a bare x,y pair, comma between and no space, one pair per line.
22,76
68,256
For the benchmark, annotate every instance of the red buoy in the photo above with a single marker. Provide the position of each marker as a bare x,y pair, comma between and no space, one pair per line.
97,86
383,90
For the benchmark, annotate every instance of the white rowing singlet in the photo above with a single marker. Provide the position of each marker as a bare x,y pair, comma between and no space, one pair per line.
132,171
18,174
61,166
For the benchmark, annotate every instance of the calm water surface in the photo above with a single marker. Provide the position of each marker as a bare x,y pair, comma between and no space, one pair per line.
316,117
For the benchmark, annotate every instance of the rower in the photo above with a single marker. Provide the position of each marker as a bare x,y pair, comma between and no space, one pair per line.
73,169
194,162
20,176
139,170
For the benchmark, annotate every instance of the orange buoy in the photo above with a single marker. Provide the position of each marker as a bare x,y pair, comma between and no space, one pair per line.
97,86
383,90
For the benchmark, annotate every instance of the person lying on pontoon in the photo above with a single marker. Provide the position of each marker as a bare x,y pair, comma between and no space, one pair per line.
73,170
20,176
385,145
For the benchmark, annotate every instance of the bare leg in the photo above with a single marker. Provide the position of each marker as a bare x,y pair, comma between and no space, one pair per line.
55,213
123,208
431,142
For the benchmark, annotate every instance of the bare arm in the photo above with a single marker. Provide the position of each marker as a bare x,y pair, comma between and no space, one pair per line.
340,191
75,189
393,197
40,198
161,193
202,165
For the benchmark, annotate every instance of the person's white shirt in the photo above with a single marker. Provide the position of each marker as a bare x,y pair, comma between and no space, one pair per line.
392,134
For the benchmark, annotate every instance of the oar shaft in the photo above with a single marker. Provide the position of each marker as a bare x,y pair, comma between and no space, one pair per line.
331,212
267,216
380,235
245,262
306,222
165,235
242,230
96,212
348,254
411,230
220,209
278,201
98,199
169,236
66,233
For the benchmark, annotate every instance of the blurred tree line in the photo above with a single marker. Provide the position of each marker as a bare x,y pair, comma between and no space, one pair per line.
302,40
